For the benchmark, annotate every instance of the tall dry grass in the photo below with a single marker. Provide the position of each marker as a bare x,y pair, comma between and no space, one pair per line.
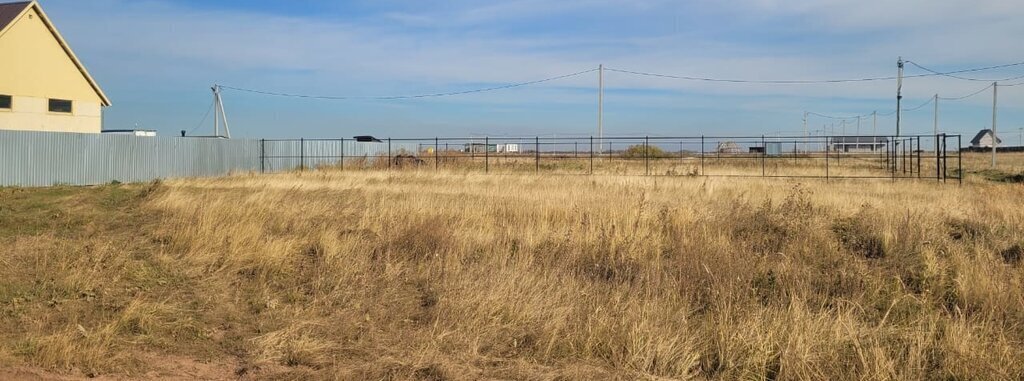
447,276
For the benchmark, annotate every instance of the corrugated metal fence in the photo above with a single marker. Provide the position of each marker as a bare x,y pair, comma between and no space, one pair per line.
29,158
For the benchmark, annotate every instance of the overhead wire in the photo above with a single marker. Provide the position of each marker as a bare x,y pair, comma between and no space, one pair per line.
888,113
200,124
968,95
415,96
754,81
822,81
953,74
632,72
930,100
838,117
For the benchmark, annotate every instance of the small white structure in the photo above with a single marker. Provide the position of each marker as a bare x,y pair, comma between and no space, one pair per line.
147,133
508,148
984,139
859,143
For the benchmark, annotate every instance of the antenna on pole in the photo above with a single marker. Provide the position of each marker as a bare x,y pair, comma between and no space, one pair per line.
218,113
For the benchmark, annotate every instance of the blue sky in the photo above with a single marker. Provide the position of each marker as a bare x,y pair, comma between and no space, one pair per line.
157,59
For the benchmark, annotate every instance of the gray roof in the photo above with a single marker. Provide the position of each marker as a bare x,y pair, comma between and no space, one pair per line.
859,140
9,11
982,133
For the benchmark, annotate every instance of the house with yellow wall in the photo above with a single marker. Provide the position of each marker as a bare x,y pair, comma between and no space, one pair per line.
43,85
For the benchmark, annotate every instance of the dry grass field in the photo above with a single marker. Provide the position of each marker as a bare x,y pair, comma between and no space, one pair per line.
406,275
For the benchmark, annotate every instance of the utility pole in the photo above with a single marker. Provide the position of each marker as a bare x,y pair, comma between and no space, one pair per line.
899,94
219,114
842,124
935,124
600,106
874,123
216,113
995,139
858,125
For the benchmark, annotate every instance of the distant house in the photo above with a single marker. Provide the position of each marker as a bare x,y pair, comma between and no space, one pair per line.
43,86
858,143
479,148
728,147
984,139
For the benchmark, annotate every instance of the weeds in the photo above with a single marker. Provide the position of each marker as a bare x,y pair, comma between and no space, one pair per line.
451,275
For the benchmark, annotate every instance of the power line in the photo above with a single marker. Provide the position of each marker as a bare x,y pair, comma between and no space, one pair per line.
417,96
838,117
952,74
200,124
807,82
930,100
968,95
730,80
871,114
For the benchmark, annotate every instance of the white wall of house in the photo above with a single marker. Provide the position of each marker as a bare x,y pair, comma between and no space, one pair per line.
985,141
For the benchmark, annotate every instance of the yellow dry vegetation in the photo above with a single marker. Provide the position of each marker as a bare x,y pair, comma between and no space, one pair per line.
382,275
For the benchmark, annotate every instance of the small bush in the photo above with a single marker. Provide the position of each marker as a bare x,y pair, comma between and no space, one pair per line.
859,237
638,151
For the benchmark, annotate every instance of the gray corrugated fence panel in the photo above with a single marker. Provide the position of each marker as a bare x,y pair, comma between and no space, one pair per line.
29,158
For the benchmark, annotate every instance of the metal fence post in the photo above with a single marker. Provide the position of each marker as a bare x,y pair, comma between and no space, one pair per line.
487,154
647,160
302,154
437,150
918,153
702,173
959,162
389,153
945,173
895,159
591,154
764,154
263,155
536,153
826,157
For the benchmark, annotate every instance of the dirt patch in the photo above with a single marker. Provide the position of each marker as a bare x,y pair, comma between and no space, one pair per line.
163,367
